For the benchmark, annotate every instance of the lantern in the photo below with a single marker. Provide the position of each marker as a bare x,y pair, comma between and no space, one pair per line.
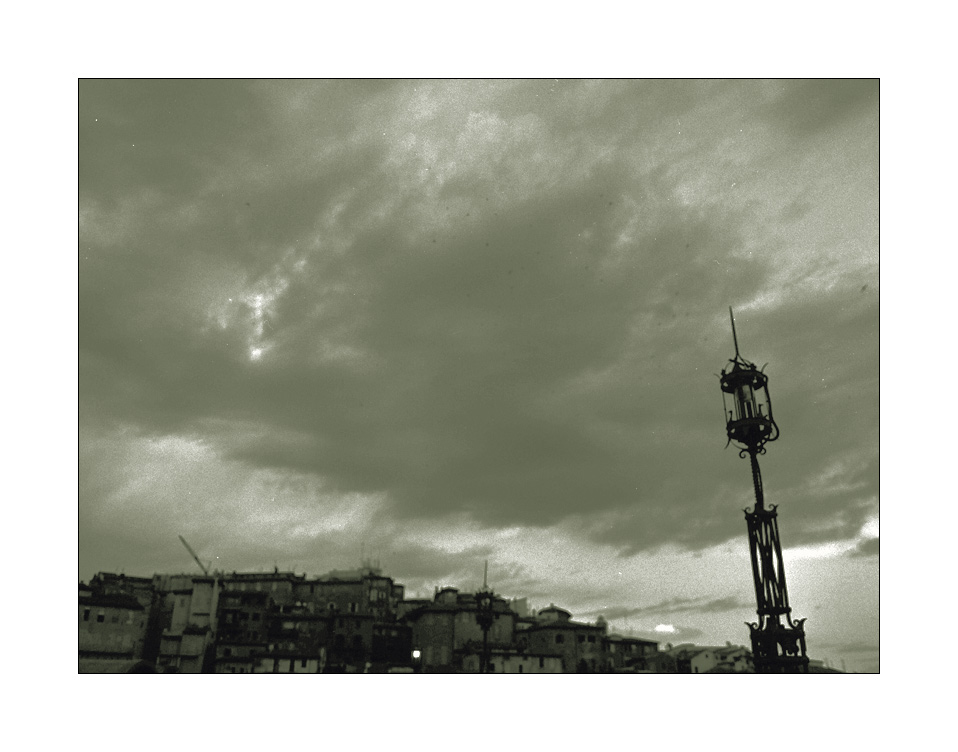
748,407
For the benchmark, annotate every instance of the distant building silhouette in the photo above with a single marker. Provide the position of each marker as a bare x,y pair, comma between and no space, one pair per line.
351,621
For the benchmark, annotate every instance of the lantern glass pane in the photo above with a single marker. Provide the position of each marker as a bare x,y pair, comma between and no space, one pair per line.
745,406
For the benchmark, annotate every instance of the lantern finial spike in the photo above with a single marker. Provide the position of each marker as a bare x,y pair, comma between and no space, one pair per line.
734,337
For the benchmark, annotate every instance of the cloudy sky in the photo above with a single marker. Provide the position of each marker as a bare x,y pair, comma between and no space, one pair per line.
442,322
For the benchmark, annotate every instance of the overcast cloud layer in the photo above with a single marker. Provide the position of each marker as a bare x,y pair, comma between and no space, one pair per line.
439,322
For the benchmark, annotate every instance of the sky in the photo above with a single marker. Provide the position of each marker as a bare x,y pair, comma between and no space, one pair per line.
438,323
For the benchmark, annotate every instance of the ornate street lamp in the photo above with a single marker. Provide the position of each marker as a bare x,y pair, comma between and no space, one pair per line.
777,647
485,616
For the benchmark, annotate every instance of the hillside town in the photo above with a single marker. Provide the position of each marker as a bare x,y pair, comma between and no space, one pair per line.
352,621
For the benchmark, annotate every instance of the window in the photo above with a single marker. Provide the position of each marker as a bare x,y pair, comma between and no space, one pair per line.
302,663
581,638
591,638
86,614
100,617
542,662
560,639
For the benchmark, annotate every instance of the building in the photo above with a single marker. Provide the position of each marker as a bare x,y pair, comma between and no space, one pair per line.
391,646
408,605
581,646
189,632
290,663
514,661
140,588
111,626
702,659
241,639
364,591
348,621
730,659
631,655
447,630
282,587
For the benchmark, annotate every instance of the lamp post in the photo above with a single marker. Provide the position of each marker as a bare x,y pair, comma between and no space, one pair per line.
777,647
485,615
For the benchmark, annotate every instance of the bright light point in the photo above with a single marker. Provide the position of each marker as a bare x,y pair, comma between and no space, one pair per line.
667,628
256,353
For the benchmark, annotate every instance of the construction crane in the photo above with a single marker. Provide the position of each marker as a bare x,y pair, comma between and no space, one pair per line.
196,558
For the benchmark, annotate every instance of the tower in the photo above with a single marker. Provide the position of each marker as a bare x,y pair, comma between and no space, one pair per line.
778,641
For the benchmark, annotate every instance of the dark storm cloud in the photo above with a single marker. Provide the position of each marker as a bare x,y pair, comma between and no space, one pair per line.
805,108
502,300
430,564
158,135
676,606
867,547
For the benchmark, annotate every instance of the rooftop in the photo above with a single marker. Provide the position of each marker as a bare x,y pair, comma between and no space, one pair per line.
127,602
